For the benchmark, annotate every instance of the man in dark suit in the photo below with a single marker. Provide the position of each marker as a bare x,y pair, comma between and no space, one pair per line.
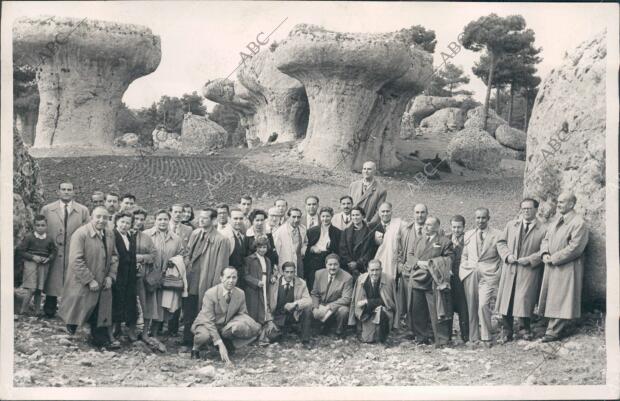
331,295
368,193
429,285
322,240
223,319
459,302
240,251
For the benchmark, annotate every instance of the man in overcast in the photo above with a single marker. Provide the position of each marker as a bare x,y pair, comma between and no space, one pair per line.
368,193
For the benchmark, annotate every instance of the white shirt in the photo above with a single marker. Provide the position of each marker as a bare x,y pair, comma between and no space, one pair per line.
312,221
39,236
125,240
323,241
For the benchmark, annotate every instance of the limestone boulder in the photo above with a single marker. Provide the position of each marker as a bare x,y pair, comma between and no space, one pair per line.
345,76
83,67
163,139
474,120
424,106
235,97
126,140
475,149
512,138
446,120
199,135
566,148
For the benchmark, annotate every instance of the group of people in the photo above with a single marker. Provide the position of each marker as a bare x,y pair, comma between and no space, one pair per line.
234,275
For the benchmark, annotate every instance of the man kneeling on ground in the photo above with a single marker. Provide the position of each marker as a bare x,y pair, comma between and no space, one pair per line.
331,295
223,319
374,304
290,303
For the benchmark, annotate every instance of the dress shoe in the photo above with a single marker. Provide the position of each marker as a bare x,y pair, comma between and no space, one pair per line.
71,329
504,338
547,338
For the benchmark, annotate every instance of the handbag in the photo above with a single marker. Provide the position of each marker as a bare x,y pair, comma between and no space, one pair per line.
174,283
152,278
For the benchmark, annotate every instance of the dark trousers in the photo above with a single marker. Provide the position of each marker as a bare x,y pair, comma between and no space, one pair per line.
556,326
384,326
190,311
287,321
337,321
173,322
50,305
99,335
459,303
423,321
508,319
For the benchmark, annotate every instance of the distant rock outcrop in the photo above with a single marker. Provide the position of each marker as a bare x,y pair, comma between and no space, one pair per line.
566,148
163,139
512,138
346,76
200,135
474,120
424,106
450,119
128,139
88,66
475,149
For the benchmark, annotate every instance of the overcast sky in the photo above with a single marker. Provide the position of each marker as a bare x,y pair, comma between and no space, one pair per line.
203,40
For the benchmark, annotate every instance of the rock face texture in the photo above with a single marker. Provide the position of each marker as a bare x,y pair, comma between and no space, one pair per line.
26,123
450,119
357,85
511,137
474,120
128,139
87,68
566,147
424,106
27,189
163,139
475,149
199,135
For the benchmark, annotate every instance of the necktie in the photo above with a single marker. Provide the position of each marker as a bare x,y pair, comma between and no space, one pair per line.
329,284
480,242
527,227
560,221
105,247
227,297
287,290
66,219
296,236
346,219
419,231
239,238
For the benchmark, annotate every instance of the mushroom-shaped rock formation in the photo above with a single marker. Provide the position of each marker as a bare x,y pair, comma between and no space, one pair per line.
235,96
83,70
345,75
280,101
566,148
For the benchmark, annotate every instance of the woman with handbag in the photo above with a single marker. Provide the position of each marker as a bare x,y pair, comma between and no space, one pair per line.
145,256
124,292
167,245
174,286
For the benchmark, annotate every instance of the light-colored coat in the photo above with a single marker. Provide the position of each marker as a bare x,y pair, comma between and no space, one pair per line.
206,264
89,261
170,299
183,231
338,221
283,239
215,313
370,201
227,231
300,295
488,262
388,251
55,214
387,290
560,294
527,277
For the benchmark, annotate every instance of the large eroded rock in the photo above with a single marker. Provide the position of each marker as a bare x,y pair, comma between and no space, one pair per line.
475,149
511,137
200,135
424,106
355,83
566,147
82,80
474,120
446,120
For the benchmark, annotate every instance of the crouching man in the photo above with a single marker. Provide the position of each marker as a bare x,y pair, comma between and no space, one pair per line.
374,304
290,303
331,295
223,319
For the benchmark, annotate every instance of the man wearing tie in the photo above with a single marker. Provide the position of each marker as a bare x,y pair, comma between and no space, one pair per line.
290,303
312,206
245,205
223,319
387,235
368,193
63,216
240,251
459,302
207,257
112,204
93,262
331,295
291,241
562,252
342,219
479,272
519,248
176,225
223,225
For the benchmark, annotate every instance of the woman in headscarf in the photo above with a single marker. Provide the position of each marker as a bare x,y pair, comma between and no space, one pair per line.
167,245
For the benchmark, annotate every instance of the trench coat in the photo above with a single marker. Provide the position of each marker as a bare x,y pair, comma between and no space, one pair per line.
54,213
387,290
145,256
560,293
283,238
124,290
527,277
171,245
370,200
254,295
89,260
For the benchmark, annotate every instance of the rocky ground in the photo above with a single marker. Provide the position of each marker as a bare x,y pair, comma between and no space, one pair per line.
46,356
